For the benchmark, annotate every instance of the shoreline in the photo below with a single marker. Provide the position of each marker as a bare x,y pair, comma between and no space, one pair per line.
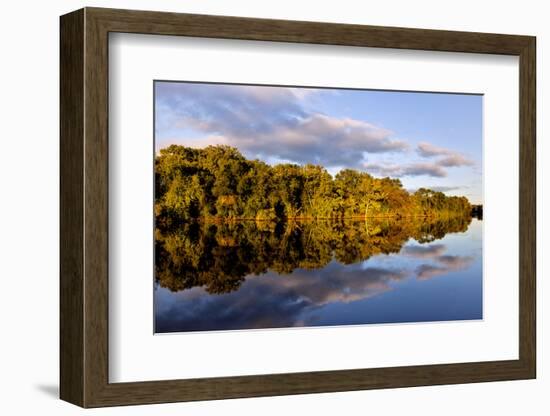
312,219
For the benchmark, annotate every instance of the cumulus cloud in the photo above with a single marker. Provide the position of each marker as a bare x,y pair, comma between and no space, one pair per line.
444,158
411,169
448,157
455,161
268,122
425,149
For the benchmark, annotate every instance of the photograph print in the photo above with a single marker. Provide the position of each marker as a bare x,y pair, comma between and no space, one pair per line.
290,206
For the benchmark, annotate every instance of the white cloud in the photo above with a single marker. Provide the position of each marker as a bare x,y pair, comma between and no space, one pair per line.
448,157
269,122
411,169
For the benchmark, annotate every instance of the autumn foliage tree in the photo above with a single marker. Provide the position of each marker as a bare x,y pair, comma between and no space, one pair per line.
218,182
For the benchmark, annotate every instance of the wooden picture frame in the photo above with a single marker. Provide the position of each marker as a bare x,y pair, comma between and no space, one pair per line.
84,207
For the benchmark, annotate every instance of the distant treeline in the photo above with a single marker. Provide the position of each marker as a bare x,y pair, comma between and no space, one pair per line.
477,211
217,182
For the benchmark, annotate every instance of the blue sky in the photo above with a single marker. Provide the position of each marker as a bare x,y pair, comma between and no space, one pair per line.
424,139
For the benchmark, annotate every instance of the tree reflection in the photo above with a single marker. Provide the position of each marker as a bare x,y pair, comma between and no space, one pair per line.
219,256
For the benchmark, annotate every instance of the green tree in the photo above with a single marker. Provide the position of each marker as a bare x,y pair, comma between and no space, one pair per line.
218,183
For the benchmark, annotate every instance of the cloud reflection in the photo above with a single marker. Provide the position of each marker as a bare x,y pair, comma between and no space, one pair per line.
446,264
272,300
424,252
246,276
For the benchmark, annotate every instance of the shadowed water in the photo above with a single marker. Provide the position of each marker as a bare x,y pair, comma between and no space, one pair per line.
247,275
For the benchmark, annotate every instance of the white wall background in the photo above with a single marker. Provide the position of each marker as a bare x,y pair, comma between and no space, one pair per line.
29,210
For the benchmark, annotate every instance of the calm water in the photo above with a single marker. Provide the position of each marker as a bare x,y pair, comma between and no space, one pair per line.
247,275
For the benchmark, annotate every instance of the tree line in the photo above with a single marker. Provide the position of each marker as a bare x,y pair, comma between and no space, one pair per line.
218,182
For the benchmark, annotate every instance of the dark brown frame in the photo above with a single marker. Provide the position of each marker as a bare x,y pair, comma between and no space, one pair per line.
84,210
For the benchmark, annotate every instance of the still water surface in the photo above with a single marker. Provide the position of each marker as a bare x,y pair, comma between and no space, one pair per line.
247,275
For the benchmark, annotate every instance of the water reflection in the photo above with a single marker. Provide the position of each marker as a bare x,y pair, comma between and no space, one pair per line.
263,275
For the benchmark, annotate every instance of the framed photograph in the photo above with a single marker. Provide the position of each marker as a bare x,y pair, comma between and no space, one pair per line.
255,207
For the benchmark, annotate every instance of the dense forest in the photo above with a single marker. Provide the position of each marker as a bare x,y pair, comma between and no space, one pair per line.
218,183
